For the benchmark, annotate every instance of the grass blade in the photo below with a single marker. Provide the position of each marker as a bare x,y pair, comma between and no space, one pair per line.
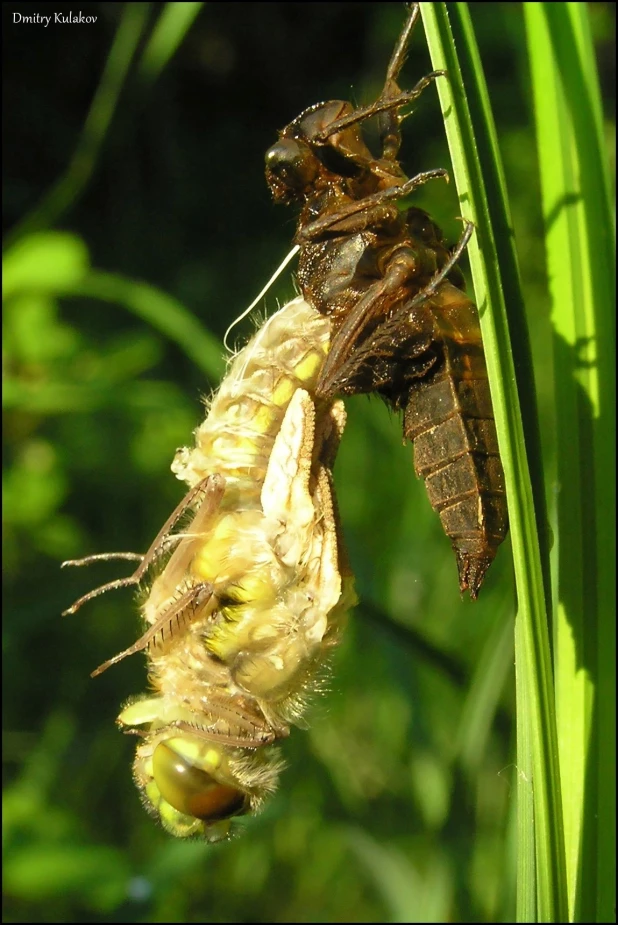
581,267
171,27
478,174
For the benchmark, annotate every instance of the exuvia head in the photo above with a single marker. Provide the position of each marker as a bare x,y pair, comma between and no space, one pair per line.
308,152
291,169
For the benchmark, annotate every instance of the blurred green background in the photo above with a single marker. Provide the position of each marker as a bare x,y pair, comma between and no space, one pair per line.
397,805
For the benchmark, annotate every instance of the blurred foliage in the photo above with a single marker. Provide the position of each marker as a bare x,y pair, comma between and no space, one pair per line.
396,805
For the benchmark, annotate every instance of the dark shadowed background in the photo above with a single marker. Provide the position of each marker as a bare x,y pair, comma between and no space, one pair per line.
397,805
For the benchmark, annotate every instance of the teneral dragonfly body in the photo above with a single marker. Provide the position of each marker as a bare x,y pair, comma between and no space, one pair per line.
254,590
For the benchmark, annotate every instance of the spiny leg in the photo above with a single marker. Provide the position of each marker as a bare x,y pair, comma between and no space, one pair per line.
174,618
212,484
399,271
383,341
256,738
401,48
257,735
402,267
380,105
390,121
103,557
429,290
335,220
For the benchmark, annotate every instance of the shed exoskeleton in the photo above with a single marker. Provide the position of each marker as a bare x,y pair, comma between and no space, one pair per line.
402,324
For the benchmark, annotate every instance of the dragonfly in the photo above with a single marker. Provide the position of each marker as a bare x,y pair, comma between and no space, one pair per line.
251,588
403,326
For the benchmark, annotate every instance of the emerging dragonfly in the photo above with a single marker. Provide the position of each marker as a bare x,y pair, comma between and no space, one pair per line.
252,585
402,324
253,592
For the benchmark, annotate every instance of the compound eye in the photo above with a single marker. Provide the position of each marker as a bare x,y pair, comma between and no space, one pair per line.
292,162
193,791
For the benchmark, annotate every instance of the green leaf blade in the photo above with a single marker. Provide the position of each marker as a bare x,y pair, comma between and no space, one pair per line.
581,266
478,173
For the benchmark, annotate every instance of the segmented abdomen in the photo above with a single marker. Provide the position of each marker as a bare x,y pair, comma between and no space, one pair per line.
270,553
245,415
449,418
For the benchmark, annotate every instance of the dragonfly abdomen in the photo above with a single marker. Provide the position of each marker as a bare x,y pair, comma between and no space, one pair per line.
449,418
245,415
